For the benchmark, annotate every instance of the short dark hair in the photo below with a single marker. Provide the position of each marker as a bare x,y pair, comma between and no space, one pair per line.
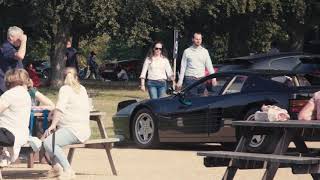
197,32
92,53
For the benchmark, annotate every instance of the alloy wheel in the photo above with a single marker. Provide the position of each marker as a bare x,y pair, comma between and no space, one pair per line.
144,128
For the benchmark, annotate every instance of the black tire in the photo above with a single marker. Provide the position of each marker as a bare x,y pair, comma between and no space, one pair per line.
150,138
261,143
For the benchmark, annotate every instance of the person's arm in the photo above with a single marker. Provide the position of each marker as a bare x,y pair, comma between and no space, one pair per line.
3,106
307,111
57,113
209,63
210,68
183,67
168,70
44,100
19,55
144,73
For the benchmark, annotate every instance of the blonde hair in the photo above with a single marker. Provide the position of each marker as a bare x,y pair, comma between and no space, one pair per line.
14,31
16,77
71,79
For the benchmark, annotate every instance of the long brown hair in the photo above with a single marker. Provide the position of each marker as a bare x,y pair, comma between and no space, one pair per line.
151,50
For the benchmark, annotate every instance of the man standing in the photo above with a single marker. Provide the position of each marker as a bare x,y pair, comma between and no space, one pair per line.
71,57
12,53
195,60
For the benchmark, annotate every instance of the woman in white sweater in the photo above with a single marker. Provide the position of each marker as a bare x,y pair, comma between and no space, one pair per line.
71,119
159,70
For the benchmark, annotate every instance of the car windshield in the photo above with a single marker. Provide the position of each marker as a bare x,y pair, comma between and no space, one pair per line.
218,85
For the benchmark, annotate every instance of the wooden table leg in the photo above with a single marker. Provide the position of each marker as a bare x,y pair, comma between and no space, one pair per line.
233,164
107,148
70,155
30,159
281,148
315,176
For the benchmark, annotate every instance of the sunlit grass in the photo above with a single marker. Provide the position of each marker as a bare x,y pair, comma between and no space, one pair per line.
105,96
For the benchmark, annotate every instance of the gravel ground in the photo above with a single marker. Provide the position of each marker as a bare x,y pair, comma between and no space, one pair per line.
173,162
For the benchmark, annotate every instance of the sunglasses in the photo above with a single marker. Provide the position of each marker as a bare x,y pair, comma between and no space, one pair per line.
157,48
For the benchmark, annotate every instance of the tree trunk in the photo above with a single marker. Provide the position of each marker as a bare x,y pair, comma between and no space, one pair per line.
58,48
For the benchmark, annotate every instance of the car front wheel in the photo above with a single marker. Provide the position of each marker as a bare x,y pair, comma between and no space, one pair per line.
145,129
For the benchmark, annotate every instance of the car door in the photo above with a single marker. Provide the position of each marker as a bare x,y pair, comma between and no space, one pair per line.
188,114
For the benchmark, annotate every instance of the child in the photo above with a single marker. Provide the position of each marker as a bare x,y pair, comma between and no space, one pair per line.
15,107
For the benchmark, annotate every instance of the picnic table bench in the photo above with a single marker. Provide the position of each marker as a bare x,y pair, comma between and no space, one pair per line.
103,143
302,160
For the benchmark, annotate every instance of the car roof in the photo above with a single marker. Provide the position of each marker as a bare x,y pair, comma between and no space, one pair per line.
260,72
257,57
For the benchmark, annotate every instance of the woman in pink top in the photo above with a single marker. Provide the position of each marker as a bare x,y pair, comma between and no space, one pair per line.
159,70
312,109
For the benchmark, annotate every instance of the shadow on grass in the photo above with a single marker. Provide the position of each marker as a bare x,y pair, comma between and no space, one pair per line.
24,174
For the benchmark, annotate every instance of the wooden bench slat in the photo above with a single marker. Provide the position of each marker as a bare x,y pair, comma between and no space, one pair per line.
94,143
261,157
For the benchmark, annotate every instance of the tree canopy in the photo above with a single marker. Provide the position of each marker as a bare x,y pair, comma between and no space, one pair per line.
230,27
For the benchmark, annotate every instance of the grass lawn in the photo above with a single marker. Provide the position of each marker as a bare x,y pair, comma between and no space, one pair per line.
105,97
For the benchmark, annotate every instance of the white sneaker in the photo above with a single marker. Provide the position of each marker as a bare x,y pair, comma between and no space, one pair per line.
35,143
67,175
5,159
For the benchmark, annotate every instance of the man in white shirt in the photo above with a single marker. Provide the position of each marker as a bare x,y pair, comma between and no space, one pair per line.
194,61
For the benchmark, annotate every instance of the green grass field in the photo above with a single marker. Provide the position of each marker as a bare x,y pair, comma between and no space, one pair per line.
105,97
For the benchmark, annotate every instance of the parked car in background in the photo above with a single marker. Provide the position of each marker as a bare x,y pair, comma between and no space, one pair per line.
133,68
42,67
207,117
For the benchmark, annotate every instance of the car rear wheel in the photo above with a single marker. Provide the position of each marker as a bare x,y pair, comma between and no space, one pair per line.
261,143
145,129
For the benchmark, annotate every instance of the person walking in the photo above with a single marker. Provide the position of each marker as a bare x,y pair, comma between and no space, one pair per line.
93,66
159,70
12,53
71,56
195,60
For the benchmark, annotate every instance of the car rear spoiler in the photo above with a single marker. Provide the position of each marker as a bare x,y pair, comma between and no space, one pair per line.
310,60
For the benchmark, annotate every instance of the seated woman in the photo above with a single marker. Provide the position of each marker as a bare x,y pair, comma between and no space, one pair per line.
312,109
71,122
15,107
38,99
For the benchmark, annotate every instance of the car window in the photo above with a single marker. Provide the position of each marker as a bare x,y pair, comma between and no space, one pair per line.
284,63
303,81
207,88
286,80
235,85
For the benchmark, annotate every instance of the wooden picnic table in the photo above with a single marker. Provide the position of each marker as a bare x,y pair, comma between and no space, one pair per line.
301,160
103,143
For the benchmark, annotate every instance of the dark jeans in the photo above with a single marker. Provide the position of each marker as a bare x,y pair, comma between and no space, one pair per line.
195,91
6,138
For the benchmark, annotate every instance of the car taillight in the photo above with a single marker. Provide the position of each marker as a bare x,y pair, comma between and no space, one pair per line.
296,105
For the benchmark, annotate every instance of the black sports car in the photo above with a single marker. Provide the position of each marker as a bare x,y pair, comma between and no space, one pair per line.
207,115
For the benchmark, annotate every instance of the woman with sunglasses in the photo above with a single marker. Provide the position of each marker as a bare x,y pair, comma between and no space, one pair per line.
159,70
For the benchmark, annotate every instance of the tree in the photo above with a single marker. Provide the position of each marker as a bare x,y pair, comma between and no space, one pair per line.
62,19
